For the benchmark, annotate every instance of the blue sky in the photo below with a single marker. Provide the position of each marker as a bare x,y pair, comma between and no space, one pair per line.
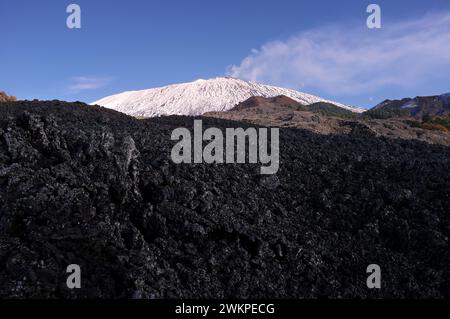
321,47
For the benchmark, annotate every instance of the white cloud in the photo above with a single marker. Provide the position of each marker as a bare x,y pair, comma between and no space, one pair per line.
83,83
345,60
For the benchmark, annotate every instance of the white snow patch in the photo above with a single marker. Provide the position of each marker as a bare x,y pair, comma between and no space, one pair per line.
409,105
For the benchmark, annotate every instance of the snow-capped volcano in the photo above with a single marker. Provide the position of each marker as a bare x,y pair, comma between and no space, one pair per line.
199,97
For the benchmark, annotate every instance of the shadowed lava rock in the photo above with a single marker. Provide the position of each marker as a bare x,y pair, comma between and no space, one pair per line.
89,186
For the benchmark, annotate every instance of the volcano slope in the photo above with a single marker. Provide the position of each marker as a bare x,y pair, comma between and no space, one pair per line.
90,186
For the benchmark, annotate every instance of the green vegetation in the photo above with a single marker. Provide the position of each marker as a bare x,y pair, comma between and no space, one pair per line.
386,113
441,123
444,121
329,109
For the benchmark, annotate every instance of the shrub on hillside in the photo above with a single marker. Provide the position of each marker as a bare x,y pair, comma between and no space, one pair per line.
328,109
385,113
6,98
441,124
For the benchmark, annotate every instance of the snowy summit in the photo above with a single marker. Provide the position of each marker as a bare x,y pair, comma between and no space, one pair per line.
199,97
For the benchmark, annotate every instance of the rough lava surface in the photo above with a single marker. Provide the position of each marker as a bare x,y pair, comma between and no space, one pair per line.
90,186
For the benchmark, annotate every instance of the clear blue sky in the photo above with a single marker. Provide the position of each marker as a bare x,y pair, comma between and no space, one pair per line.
137,44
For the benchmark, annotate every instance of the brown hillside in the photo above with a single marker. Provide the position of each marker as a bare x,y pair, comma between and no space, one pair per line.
6,98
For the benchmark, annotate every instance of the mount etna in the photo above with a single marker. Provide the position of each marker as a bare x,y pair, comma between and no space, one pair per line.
422,118
201,96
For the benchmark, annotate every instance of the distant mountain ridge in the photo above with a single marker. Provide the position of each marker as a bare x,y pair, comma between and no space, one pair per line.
201,96
437,105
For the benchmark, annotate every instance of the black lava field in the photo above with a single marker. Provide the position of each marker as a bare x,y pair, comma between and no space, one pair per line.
85,185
